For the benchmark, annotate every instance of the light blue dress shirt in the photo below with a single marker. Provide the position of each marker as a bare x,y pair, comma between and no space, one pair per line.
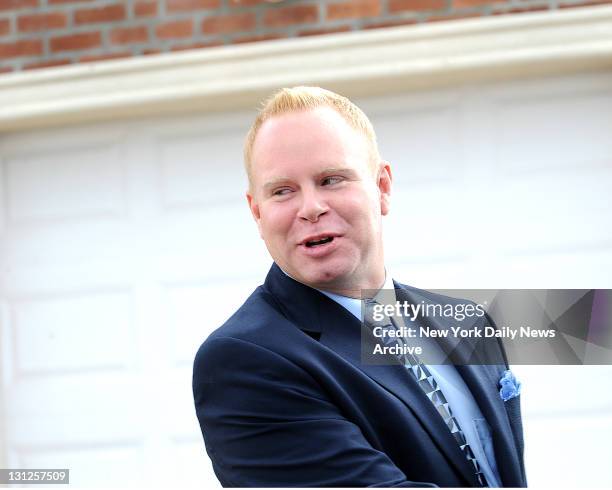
473,424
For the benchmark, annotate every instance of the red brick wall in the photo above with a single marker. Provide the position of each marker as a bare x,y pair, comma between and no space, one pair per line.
42,33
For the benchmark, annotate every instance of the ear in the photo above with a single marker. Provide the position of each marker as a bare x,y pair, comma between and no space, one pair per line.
254,207
383,182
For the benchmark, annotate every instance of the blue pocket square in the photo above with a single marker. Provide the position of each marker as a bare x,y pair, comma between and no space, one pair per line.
510,386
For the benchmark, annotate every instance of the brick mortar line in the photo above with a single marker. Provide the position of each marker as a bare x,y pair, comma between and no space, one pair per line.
151,33
427,16
368,23
332,24
46,46
130,10
259,19
96,52
322,11
12,24
507,9
105,42
99,26
512,4
29,37
225,7
384,7
71,9
52,56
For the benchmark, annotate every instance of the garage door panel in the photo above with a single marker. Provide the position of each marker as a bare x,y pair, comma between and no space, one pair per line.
191,268
548,445
190,169
206,228
420,225
191,466
72,428
72,394
576,268
192,232
551,212
82,182
48,279
178,400
555,132
67,242
72,332
538,403
454,271
422,143
114,466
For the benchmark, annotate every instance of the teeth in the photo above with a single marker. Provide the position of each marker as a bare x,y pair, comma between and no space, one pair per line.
313,243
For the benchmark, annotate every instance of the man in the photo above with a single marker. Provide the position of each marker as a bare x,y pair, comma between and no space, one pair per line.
281,393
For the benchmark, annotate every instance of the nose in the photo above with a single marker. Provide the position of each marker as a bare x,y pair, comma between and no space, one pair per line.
313,206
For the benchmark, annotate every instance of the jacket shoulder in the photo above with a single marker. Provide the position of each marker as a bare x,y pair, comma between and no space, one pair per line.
258,310
257,322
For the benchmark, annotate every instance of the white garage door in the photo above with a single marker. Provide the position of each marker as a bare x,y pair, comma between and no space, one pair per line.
123,245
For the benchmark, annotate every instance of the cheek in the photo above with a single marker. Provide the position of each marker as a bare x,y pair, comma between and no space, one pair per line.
275,221
362,212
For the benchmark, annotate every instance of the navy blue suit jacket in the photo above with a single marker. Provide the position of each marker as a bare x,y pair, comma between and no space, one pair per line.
283,400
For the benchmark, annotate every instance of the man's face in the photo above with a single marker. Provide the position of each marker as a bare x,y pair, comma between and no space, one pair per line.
318,202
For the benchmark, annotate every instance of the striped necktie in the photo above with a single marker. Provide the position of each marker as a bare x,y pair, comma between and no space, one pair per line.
428,384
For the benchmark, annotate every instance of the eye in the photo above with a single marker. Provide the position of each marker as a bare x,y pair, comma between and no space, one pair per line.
331,180
281,191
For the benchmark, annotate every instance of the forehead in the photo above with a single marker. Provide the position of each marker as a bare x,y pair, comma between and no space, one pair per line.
322,123
302,138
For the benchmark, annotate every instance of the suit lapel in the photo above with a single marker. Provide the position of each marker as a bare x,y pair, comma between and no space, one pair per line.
339,330
482,379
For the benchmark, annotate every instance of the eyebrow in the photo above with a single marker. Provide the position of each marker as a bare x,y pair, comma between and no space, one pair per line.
325,171
332,170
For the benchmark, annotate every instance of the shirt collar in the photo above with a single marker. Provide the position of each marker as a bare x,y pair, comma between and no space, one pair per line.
353,305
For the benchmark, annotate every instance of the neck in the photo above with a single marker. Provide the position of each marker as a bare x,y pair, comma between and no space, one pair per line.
357,291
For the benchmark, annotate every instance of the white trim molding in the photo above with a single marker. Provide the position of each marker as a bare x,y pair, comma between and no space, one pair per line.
373,62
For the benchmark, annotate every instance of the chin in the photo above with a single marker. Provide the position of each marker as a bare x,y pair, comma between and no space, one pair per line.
327,276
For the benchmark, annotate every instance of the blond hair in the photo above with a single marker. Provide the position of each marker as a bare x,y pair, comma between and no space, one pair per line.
297,99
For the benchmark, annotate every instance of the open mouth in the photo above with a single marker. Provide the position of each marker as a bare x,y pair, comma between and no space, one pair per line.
316,243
